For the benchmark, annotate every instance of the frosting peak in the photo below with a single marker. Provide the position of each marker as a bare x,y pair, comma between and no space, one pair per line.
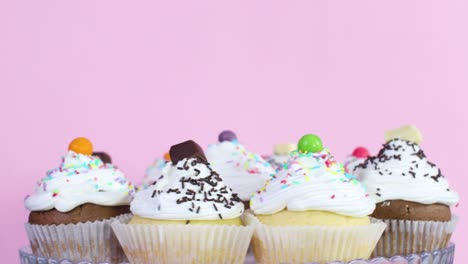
243,171
313,181
401,171
78,180
188,190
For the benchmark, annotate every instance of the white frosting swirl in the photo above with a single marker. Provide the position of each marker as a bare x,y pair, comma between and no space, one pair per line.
241,170
190,190
313,182
401,171
80,179
153,172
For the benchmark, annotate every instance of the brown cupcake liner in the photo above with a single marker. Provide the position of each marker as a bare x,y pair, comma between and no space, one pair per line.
404,237
91,241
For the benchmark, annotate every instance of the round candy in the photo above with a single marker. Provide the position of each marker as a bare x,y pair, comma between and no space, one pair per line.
81,145
310,143
361,152
227,135
167,156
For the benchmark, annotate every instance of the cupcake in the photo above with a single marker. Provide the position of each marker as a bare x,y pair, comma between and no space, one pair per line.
187,216
413,197
359,155
73,206
312,211
242,171
154,171
280,155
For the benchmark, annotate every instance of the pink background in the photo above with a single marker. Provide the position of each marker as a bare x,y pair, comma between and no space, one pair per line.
137,77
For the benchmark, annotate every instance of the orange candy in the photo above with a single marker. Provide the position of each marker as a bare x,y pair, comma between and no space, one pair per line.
81,145
167,157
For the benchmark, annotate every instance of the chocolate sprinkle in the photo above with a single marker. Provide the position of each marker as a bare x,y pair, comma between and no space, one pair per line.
173,190
419,154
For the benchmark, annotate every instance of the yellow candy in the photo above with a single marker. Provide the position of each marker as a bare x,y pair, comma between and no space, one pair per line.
408,132
81,145
284,149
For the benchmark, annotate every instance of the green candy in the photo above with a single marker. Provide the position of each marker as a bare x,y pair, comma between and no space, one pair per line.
310,143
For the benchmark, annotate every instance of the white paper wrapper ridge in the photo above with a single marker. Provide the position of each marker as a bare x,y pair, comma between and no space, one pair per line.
146,243
404,237
321,244
91,241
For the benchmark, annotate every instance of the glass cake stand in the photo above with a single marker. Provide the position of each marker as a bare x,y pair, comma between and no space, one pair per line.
442,256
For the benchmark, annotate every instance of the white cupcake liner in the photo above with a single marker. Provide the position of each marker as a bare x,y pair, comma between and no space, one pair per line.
146,243
321,244
91,241
403,237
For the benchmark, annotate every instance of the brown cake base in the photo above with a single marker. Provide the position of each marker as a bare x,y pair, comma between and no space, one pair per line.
83,213
404,210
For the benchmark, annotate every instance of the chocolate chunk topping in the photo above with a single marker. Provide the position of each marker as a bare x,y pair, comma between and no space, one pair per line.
187,149
106,158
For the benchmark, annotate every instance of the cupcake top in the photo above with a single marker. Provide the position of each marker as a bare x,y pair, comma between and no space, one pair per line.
280,155
401,171
313,180
154,171
81,178
188,189
243,171
359,155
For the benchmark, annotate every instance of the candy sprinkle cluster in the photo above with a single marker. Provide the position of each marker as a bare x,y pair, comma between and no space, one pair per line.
249,161
75,166
325,158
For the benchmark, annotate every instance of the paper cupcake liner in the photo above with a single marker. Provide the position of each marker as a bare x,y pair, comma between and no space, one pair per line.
321,244
146,243
403,237
91,241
